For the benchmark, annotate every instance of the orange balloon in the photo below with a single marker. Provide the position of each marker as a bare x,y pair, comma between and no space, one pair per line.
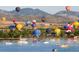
68,8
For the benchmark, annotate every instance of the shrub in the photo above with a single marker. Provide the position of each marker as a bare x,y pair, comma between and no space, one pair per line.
76,33
14,34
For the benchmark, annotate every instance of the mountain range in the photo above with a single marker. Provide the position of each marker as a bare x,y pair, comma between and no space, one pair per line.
30,14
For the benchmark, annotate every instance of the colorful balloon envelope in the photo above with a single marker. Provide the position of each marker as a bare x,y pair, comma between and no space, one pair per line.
65,27
19,26
43,19
14,20
58,31
3,18
12,27
76,24
34,21
36,32
28,23
68,26
33,25
68,8
17,9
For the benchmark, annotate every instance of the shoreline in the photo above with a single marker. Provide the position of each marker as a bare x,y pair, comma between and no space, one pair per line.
39,39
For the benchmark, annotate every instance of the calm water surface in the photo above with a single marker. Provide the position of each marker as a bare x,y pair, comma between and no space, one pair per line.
47,46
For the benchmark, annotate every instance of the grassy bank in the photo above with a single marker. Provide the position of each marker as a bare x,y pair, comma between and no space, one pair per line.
27,33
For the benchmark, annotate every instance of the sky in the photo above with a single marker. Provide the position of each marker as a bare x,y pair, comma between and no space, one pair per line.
48,9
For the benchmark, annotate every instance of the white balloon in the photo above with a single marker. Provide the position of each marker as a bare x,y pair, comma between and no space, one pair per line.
28,22
34,21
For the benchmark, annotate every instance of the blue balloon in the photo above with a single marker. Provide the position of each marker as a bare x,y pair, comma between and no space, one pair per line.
33,25
65,27
36,33
12,27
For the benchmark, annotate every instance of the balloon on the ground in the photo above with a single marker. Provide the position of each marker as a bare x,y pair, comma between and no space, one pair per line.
12,27
36,33
69,27
14,20
28,23
58,31
3,19
65,27
43,18
34,21
19,26
76,24
33,25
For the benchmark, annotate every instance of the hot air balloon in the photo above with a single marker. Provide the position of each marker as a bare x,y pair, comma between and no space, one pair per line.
14,20
3,19
12,27
19,26
36,33
33,25
17,9
68,8
58,31
28,23
69,27
76,24
34,21
65,27
43,19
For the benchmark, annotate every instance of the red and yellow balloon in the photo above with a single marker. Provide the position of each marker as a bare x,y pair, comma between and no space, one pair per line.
76,24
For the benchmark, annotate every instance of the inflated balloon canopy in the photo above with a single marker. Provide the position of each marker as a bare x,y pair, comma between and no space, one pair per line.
17,9
19,26
33,25
12,27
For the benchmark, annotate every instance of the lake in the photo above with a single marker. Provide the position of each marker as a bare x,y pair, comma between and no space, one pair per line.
47,46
